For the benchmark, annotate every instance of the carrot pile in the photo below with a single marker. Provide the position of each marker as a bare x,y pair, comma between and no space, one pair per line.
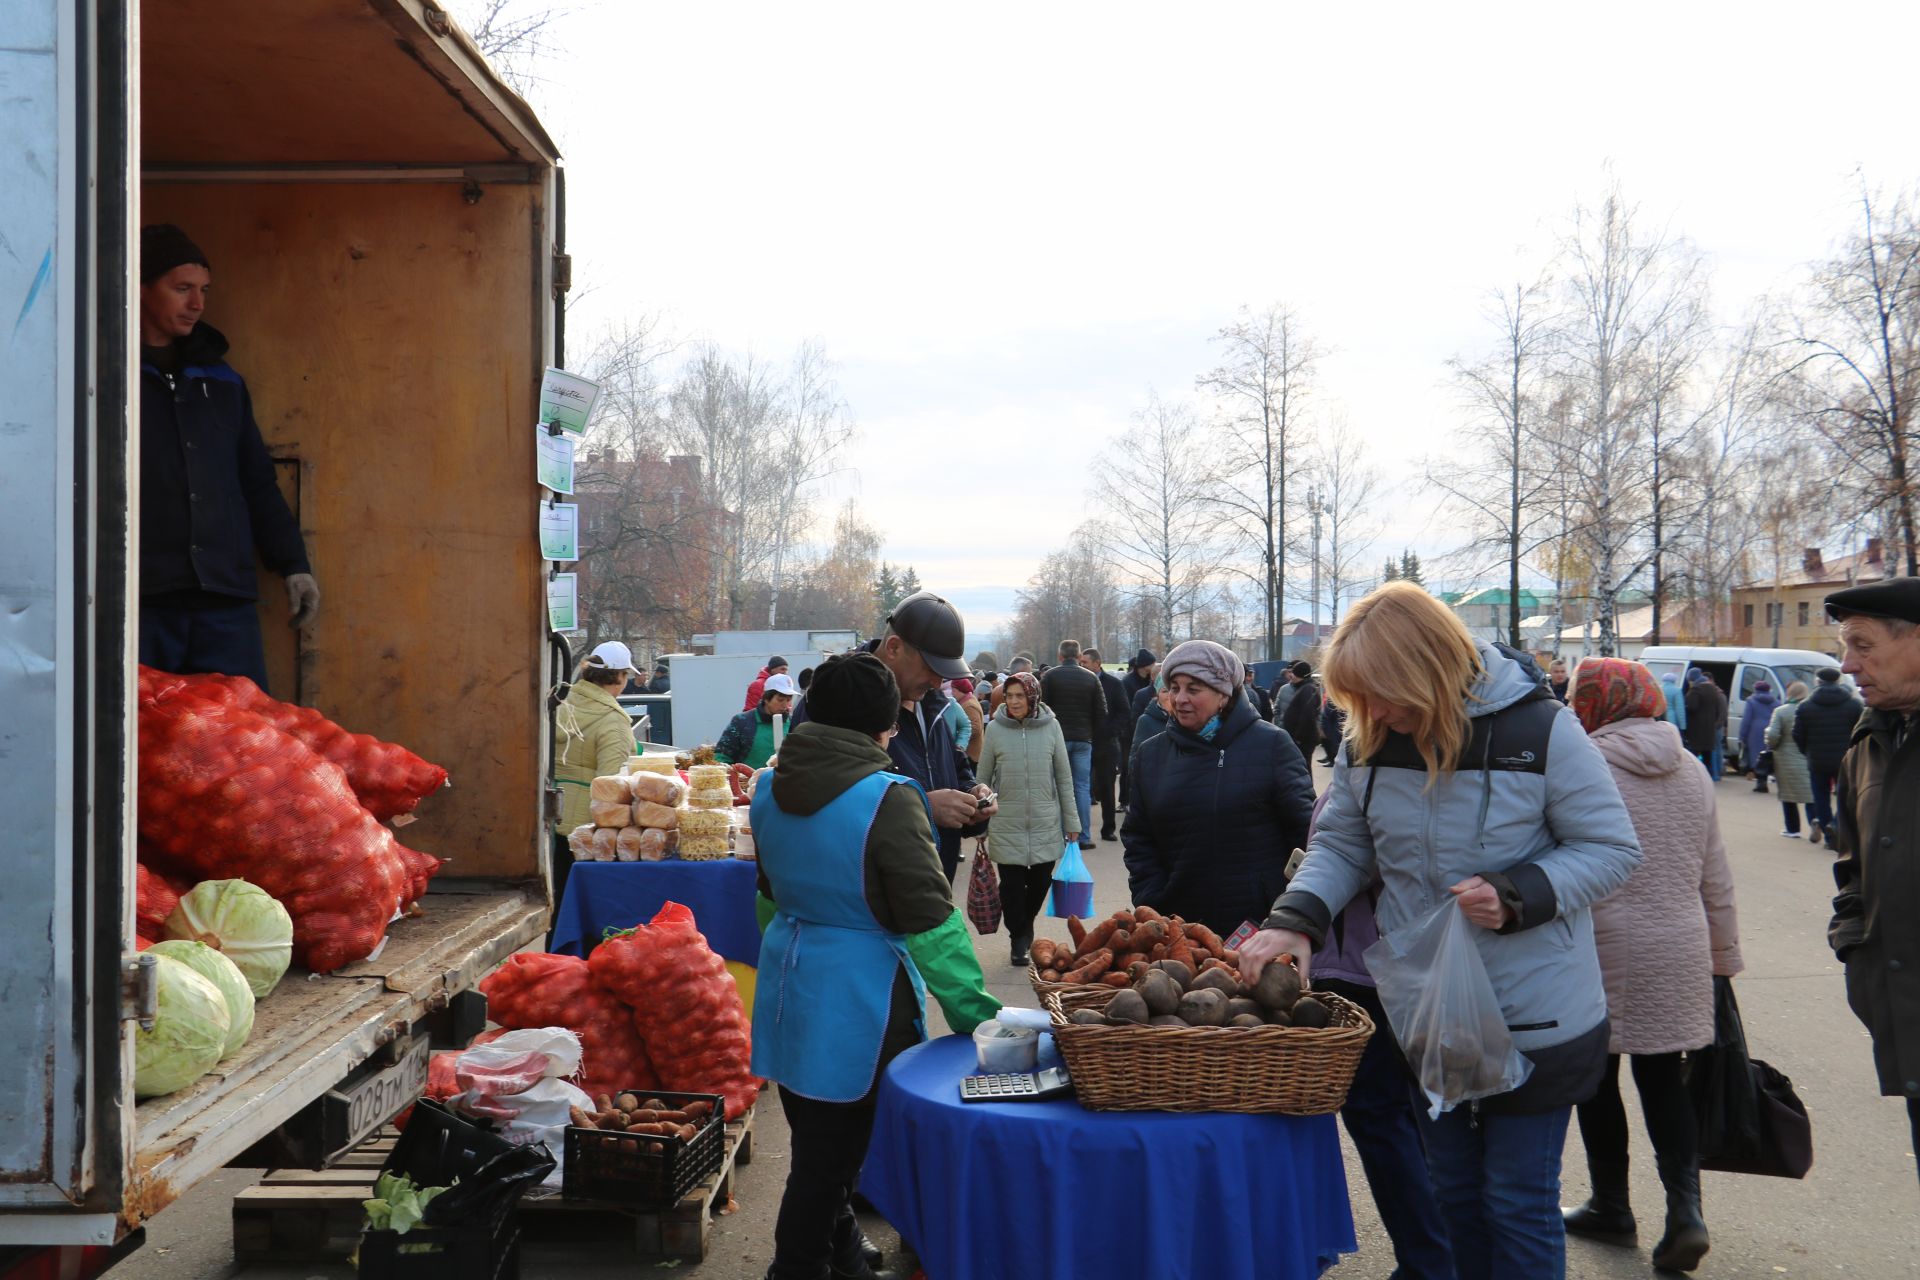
1119,949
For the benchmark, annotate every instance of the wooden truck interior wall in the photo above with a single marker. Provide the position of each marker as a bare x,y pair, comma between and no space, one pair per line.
387,334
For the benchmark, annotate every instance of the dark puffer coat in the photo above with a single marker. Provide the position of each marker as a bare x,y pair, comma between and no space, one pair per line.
1823,726
1210,825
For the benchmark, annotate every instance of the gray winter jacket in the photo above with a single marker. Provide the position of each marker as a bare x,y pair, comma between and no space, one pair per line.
1026,762
1533,808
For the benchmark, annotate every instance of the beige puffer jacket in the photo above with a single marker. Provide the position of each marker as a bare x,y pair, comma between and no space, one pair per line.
592,737
1672,927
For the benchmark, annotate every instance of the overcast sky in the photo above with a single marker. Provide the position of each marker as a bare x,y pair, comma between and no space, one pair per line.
1008,222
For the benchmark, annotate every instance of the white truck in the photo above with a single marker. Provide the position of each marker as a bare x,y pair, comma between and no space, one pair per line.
384,219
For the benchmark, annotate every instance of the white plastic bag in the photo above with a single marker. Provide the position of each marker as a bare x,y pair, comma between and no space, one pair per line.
1443,1009
516,1082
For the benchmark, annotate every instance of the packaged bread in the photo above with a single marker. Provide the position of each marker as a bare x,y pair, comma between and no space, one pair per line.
580,842
652,764
610,813
611,789
710,798
655,844
658,788
703,823
626,844
648,814
709,777
605,844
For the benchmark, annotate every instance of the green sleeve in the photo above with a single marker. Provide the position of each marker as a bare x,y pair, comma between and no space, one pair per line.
763,909
944,955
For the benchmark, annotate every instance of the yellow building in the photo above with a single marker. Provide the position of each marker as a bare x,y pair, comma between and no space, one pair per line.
1791,613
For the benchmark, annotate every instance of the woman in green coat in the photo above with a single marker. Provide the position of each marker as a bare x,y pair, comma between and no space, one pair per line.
1790,776
1025,762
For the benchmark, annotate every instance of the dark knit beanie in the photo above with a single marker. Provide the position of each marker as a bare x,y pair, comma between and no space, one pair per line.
854,691
164,247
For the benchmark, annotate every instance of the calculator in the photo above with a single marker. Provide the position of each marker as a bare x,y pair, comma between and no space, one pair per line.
1033,1086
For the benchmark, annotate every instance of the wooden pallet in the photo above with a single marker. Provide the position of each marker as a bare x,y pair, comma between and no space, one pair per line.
303,1215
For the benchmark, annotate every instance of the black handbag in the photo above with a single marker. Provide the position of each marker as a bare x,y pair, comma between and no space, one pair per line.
1749,1118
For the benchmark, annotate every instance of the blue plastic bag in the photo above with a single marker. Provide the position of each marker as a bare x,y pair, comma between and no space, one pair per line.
1072,885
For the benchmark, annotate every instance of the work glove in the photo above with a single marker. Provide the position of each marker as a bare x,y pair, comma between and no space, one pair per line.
303,598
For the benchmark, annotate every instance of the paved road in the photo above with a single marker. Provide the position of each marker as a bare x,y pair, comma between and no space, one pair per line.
1856,1215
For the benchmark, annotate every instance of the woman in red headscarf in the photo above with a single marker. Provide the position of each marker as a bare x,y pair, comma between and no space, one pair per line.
1665,938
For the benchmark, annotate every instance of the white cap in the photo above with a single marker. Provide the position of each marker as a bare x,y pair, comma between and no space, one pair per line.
612,655
780,682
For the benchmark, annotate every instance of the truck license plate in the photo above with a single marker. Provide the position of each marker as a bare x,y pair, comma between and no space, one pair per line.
372,1102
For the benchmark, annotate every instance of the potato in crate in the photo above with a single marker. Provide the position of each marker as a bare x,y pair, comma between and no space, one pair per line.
644,1148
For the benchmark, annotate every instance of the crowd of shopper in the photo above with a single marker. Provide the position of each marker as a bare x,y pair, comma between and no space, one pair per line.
1569,814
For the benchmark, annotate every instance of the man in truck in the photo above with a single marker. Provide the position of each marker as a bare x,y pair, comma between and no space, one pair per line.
208,496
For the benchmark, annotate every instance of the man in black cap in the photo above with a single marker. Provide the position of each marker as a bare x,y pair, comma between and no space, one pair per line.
208,496
1301,719
925,643
1877,830
1139,676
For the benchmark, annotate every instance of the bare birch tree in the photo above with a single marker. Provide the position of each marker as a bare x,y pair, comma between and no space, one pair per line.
1156,517
811,431
1262,384
1855,343
1348,482
1496,480
1623,285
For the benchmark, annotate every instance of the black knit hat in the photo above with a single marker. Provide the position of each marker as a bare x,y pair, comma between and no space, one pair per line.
163,247
854,691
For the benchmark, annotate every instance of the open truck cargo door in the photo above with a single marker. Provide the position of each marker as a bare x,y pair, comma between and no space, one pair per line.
382,218
65,651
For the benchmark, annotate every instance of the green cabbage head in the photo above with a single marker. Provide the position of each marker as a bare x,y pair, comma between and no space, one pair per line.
222,973
243,922
189,1031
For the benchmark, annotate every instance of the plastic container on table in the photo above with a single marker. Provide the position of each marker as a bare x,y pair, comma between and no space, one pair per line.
1003,1049
609,1164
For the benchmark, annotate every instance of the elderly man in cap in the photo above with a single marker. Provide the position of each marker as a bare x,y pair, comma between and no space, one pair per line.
925,644
209,499
1877,830
1219,800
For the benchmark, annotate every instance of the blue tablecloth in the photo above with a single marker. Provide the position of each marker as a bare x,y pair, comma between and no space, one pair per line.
620,895
1052,1189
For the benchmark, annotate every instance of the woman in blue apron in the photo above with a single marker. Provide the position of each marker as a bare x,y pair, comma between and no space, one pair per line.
863,926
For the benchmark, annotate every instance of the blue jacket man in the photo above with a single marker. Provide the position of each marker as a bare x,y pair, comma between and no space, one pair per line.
924,644
208,496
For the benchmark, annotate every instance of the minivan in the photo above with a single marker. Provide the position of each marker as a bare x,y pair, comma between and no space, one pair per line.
1737,671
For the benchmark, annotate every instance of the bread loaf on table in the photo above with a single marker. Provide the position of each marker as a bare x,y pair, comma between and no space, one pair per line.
610,813
648,814
658,788
611,789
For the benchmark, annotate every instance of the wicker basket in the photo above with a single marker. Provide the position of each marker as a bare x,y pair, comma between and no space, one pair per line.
1072,995
1295,1071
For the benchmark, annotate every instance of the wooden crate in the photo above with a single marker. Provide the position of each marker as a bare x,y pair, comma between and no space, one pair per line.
304,1215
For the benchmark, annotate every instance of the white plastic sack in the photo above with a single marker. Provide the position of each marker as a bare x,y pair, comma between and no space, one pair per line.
1443,1010
516,1081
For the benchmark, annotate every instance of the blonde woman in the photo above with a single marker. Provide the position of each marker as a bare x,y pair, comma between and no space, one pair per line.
1463,779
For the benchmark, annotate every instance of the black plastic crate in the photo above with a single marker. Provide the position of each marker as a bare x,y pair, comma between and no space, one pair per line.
482,1250
441,1149
607,1164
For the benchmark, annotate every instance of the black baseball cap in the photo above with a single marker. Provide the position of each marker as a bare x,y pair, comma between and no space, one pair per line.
933,626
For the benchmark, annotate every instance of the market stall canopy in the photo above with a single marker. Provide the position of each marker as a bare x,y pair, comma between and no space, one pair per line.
246,84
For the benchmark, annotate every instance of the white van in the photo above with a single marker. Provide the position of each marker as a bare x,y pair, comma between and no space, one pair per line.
1737,670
